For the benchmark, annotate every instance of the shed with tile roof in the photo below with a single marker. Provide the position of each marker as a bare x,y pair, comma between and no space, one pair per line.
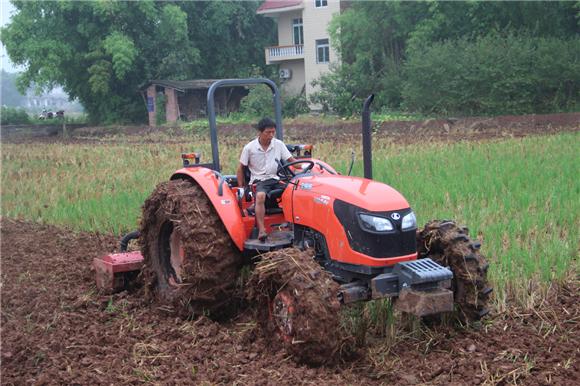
187,99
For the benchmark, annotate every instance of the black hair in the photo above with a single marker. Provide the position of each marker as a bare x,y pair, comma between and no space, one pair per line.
264,123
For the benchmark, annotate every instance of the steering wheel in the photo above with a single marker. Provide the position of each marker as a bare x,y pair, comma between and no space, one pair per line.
285,173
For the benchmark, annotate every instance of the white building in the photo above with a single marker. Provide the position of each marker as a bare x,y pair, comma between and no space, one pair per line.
304,50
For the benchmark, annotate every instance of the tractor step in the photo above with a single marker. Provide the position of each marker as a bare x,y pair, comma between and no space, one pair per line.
275,240
115,272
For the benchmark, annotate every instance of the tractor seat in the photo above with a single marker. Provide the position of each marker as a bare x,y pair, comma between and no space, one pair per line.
271,203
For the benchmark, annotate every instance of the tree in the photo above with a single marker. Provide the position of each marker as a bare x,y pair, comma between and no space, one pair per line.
370,38
374,40
103,52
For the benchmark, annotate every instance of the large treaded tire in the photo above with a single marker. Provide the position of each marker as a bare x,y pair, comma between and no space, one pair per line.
450,245
291,282
179,220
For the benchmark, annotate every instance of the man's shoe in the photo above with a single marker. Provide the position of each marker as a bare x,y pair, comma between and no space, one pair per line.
262,236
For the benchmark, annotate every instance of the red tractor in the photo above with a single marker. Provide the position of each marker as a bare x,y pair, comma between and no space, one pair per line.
332,239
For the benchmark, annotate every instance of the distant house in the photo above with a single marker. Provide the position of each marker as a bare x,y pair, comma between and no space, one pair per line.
187,99
304,50
54,99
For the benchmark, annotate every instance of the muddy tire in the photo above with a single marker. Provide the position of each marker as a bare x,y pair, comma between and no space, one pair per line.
297,305
450,245
191,263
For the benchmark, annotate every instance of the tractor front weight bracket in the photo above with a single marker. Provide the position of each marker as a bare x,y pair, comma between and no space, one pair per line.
420,287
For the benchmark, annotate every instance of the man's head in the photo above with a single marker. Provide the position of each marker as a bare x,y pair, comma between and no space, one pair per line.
267,129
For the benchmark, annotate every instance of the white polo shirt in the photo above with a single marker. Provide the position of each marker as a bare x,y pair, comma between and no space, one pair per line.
262,164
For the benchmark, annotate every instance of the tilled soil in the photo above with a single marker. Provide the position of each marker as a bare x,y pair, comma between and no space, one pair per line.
317,131
57,330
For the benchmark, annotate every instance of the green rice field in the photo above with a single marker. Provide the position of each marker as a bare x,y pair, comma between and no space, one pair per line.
521,197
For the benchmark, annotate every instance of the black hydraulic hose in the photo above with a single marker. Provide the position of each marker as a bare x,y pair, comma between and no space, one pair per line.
325,168
128,237
351,162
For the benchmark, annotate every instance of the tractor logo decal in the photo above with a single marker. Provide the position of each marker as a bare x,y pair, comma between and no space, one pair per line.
322,200
395,216
226,202
306,186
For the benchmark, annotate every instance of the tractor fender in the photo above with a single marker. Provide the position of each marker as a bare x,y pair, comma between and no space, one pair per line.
222,198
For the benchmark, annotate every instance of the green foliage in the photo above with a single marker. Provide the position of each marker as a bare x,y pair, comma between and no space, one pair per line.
100,75
293,105
13,116
160,101
375,41
122,51
338,92
179,56
230,37
103,52
494,75
258,102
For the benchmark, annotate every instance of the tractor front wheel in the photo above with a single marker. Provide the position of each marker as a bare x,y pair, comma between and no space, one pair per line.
450,245
297,305
191,263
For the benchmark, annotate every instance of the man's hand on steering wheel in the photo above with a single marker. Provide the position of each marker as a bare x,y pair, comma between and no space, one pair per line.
286,173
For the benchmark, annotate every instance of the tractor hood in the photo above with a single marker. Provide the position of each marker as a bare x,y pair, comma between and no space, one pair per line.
364,193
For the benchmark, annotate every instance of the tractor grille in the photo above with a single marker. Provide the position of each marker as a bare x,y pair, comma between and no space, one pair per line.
385,245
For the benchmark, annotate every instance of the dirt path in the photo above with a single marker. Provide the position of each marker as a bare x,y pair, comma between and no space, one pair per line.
57,330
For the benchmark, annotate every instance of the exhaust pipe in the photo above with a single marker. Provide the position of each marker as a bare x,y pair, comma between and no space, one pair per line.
366,137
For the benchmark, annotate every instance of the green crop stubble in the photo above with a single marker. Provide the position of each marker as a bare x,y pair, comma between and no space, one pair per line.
521,197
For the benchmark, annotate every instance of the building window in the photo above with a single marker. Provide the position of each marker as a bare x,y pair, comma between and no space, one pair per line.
298,31
322,51
320,3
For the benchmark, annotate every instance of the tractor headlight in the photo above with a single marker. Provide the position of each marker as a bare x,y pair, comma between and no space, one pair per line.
375,224
409,221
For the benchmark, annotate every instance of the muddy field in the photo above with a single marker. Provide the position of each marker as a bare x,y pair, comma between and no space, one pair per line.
314,131
57,330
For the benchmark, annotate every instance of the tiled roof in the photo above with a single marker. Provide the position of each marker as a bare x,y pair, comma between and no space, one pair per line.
275,4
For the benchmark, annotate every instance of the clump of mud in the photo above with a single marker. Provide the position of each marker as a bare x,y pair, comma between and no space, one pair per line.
211,262
450,245
297,305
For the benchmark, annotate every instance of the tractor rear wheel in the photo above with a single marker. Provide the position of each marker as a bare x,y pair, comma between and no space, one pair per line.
450,245
191,263
297,305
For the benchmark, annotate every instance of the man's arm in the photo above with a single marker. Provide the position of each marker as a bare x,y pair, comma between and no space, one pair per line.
240,175
286,153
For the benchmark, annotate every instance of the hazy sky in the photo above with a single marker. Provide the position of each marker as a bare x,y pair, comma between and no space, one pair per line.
6,10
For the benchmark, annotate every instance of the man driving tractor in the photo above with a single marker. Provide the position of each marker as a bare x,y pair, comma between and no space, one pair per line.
261,156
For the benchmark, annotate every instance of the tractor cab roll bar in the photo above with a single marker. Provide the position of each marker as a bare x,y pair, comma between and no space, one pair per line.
212,113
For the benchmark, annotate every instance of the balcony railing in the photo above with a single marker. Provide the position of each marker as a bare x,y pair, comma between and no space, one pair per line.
278,53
